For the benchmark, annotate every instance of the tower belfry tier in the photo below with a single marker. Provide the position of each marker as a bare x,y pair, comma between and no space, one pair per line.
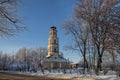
53,43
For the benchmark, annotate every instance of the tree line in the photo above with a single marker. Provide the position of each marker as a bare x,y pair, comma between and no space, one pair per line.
95,29
25,59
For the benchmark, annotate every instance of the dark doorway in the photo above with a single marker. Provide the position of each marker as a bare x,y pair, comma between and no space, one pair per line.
55,65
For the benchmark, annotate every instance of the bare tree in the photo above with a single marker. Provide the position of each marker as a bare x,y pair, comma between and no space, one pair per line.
80,34
103,17
30,57
21,54
9,21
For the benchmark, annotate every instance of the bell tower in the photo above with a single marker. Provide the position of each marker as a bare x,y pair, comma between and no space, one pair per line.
53,44
53,59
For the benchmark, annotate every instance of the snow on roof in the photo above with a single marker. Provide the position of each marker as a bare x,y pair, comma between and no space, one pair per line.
55,60
74,63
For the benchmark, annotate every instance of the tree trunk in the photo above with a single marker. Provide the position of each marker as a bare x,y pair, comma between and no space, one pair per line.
85,62
94,60
99,61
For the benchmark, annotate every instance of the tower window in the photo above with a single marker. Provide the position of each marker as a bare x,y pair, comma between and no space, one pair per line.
54,50
54,41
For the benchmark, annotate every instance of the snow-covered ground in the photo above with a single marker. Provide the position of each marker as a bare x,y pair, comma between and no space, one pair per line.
111,75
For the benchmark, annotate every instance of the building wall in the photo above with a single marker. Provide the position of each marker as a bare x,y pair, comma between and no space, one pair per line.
55,65
47,65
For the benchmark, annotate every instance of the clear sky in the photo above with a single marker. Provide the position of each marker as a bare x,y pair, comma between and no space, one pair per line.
39,16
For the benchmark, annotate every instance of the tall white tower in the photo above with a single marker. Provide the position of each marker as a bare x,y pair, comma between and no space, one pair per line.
54,60
53,44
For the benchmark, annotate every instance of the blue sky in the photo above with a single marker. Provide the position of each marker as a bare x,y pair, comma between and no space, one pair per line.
39,16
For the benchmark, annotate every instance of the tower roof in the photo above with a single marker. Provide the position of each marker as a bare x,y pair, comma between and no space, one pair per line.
53,27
